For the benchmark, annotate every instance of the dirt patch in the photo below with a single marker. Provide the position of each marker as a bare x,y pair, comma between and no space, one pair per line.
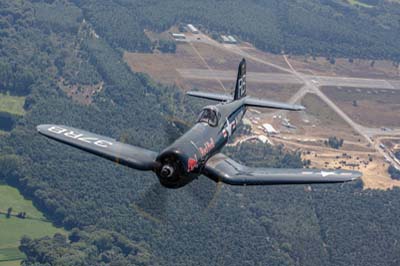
370,163
276,59
162,67
343,67
372,108
223,59
82,94
375,175
276,92
319,121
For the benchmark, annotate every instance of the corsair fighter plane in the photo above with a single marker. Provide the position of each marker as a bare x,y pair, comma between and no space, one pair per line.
197,152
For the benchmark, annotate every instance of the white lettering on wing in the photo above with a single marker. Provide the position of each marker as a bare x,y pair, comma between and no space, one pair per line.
57,130
326,173
80,137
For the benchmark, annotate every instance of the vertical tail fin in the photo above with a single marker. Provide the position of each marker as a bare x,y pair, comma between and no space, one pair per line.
240,88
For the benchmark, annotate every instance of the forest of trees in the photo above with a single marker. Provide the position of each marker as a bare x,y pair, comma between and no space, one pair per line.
329,28
118,216
394,173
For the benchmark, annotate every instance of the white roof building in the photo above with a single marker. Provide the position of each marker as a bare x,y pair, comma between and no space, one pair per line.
179,35
193,29
232,39
269,129
224,38
263,139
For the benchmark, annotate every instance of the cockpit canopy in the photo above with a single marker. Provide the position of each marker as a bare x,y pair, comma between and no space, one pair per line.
209,115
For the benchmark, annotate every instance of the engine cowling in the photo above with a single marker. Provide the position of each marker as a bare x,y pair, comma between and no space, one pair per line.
172,171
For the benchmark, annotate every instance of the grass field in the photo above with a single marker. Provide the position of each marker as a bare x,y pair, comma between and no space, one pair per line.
11,263
12,104
374,107
322,121
12,229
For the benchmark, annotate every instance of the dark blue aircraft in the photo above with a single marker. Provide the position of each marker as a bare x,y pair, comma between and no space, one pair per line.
197,152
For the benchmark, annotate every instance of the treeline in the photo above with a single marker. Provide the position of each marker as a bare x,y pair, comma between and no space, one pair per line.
266,155
119,25
7,121
89,247
394,173
334,142
330,28
15,79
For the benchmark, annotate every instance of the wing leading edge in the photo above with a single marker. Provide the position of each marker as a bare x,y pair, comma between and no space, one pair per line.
210,96
248,101
253,102
222,168
105,147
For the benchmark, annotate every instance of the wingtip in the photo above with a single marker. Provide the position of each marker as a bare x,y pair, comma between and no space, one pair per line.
352,175
43,127
301,107
356,175
40,128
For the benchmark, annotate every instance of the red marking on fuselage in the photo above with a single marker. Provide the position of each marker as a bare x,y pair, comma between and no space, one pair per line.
225,133
192,164
207,147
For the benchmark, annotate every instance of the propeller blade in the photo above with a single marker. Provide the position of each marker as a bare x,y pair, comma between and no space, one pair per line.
152,203
205,193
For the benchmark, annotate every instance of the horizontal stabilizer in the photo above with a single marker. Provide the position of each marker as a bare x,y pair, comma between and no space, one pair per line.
210,96
105,147
253,102
248,101
222,168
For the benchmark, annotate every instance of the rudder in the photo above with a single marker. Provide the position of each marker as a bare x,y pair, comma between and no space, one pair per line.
240,88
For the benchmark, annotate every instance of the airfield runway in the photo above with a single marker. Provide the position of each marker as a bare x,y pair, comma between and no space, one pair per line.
278,78
308,83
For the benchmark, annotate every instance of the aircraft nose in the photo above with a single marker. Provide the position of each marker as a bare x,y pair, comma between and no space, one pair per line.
167,171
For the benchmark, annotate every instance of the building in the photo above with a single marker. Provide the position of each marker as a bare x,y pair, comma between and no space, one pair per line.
224,38
179,36
232,39
193,29
269,129
228,39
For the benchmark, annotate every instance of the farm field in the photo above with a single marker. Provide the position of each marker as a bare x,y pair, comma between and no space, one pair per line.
12,104
12,229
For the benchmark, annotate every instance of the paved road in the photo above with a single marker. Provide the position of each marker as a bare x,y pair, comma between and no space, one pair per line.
194,73
279,78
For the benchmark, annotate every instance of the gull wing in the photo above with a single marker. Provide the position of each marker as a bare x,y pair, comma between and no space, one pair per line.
105,147
222,168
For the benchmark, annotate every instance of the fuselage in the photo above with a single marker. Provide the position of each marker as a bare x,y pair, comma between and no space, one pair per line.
185,158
